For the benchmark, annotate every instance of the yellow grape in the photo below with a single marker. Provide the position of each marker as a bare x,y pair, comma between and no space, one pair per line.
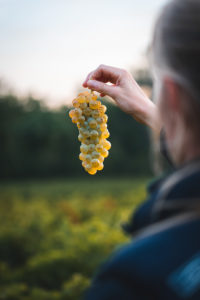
81,138
106,144
78,125
91,148
105,118
75,103
101,158
87,142
102,109
99,148
94,104
94,97
92,123
95,114
94,134
81,119
105,153
92,171
95,154
88,158
88,166
85,133
81,156
75,120
91,120
83,105
84,148
96,141
77,112
84,164
103,126
71,113
85,93
81,99
105,134
100,120
95,163
87,112
100,167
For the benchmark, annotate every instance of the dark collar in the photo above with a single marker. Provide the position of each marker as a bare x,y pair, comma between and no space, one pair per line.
170,195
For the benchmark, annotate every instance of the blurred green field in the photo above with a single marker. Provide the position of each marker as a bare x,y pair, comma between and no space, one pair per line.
54,234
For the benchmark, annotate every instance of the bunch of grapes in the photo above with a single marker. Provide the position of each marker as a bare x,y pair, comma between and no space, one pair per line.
89,116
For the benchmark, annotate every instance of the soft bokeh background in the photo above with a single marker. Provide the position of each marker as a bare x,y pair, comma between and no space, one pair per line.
48,46
57,223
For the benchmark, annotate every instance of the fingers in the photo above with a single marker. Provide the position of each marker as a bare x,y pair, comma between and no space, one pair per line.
105,74
102,88
86,80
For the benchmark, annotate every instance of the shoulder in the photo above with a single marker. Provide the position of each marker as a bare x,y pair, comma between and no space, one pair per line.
142,267
152,252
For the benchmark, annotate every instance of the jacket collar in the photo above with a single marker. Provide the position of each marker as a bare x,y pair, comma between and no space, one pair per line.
170,195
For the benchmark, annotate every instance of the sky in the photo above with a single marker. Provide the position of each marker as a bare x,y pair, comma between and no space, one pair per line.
47,47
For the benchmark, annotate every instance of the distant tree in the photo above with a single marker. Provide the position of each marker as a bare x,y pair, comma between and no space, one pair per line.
38,142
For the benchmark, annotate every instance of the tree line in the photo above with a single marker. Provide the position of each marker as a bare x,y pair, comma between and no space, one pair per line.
37,142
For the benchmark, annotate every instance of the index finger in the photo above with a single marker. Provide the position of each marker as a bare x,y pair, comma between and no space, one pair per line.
87,78
104,74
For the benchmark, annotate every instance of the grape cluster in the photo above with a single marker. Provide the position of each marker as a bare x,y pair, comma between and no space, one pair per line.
89,116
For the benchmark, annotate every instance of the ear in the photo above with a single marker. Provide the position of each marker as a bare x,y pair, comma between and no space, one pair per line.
172,94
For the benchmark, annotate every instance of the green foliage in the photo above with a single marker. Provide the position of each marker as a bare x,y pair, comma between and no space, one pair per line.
37,142
74,288
55,234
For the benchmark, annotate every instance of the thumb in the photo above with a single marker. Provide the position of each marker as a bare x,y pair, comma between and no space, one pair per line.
100,87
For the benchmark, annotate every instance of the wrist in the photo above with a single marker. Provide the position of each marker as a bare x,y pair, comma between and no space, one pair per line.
148,115
152,117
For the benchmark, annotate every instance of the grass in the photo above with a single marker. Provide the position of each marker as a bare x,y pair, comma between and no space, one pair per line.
55,233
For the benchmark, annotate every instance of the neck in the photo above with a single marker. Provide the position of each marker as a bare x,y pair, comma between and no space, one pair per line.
191,155
190,150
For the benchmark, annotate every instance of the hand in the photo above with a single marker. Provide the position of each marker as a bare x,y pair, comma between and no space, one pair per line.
126,93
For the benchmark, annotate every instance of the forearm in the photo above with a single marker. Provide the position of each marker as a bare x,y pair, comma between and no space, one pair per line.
153,120
148,115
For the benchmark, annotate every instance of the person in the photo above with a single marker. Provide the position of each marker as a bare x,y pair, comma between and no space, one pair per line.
162,261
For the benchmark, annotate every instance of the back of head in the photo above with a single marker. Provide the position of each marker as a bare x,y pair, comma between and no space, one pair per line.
176,45
177,42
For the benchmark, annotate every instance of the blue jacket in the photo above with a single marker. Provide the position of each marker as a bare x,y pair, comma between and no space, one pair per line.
163,259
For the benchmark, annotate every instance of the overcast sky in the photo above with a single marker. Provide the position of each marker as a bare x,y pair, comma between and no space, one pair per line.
47,47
